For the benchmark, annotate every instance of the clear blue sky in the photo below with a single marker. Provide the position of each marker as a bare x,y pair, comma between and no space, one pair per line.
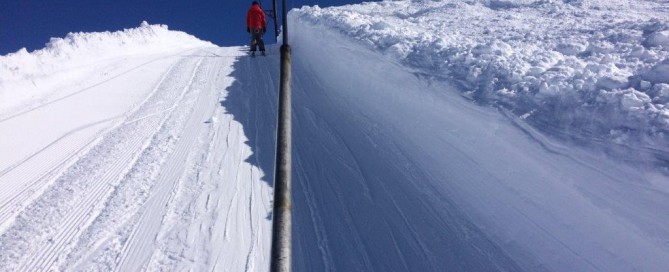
30,23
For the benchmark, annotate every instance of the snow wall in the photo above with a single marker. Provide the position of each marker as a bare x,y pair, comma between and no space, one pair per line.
360,76
364,188
589,72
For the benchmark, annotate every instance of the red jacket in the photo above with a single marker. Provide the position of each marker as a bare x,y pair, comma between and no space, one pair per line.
255,18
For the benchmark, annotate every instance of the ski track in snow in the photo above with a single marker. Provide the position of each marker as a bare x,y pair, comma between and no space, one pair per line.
135,252
126,197
121,146
48,101
27,178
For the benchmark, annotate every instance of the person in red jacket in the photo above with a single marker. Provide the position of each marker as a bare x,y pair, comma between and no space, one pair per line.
256,25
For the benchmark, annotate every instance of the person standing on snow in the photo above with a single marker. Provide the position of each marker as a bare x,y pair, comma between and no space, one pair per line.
256,25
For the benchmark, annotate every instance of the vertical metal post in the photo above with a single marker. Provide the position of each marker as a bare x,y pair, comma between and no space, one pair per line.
281,225
276,20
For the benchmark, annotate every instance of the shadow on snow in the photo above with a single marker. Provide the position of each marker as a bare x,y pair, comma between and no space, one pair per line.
252,101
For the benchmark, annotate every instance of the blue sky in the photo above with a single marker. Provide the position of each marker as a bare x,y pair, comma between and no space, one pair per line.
30,23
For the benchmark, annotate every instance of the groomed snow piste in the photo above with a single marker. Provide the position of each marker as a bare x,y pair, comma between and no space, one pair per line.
427,136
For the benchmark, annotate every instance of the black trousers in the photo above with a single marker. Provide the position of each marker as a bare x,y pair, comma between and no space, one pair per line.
256,40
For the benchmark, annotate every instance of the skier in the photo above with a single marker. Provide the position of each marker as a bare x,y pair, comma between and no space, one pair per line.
256,25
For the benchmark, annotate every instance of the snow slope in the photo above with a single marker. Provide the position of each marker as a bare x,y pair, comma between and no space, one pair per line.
134,163
32,76
585,71
399,171
415,148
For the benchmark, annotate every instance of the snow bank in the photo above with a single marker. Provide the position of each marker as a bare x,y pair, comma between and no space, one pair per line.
587,71
24,71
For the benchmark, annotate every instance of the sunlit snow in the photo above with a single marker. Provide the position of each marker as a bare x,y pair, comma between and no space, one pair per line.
478,135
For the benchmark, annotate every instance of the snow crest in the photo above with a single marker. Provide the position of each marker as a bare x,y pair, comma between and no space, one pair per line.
584,71
25,70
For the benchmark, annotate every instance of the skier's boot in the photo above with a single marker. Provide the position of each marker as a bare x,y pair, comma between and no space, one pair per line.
263,53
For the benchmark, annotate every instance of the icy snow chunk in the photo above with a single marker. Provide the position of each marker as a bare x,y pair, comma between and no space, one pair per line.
661,93
481,50
399,50
612,82
535,71
495,48
633,100
474,74
500,4
601,47
380,25
659,73
660,38
548,90
502,48
654,26
506,92
570,48
610,76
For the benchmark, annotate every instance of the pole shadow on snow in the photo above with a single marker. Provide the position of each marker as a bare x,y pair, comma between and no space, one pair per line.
252,101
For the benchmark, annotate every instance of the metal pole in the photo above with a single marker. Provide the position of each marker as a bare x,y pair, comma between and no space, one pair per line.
281,225
276,25
284,21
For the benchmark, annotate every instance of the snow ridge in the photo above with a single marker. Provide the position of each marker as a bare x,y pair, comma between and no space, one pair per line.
585,71
61,58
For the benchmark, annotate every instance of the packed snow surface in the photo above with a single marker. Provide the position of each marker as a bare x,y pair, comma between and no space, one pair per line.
129,161
427,136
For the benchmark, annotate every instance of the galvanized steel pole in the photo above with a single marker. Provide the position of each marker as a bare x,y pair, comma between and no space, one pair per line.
281,225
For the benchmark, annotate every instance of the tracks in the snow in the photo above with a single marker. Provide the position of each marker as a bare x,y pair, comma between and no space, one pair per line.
53,157
171,183
137,252
53,222
39,157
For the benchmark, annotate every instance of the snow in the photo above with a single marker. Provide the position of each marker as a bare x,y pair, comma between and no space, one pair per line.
447,135
474,178
564,61
26,76
120,152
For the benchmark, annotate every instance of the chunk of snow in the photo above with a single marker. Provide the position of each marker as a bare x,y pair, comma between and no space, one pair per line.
659,73
570,48
660,38
634,100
